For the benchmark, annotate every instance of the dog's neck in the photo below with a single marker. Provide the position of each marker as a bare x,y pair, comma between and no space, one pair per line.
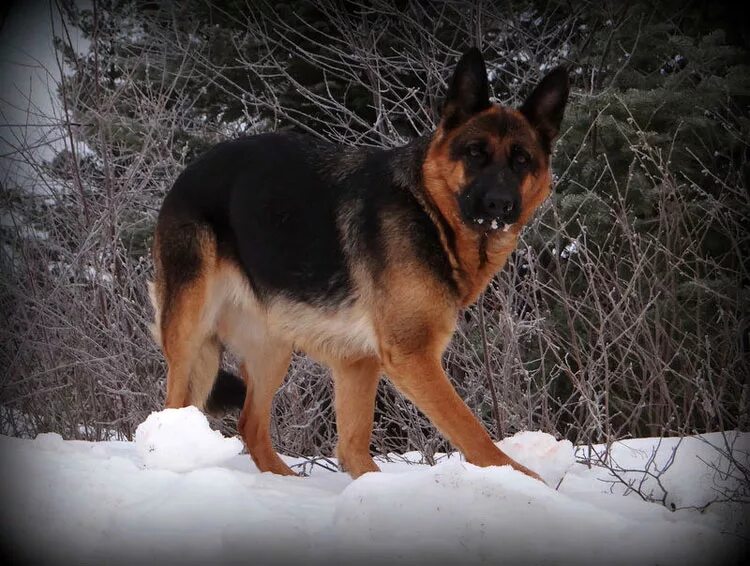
475,256
406,163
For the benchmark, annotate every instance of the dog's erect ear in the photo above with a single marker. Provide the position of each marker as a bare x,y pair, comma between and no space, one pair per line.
469,91
545,106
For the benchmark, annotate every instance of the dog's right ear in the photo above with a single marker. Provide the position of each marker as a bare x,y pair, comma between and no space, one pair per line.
545,106
469,91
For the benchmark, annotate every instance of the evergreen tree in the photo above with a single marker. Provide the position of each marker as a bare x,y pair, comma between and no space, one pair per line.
622,311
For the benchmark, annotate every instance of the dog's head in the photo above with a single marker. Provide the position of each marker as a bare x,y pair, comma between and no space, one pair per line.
494,160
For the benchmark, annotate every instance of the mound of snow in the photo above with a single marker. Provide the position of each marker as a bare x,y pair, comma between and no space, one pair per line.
67,502
540,452
181,440
458,513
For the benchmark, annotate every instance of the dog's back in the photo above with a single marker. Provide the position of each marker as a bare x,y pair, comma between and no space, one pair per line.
268,208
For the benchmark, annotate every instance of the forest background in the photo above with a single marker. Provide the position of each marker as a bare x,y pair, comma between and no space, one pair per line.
624,311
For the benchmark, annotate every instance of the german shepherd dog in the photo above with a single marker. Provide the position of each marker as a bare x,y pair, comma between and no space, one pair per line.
361,258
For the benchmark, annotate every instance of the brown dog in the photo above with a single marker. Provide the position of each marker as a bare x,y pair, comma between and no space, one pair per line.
360,258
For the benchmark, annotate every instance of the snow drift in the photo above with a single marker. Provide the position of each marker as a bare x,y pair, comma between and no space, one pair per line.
181,493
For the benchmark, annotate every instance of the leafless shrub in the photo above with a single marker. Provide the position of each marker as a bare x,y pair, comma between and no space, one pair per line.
76,355
658,477
644,480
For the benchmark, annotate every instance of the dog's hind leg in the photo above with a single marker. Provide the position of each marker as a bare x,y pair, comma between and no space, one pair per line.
355,387
184,322
263,370
192,353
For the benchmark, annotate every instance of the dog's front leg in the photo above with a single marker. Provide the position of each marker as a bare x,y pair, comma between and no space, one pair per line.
355,388
421,378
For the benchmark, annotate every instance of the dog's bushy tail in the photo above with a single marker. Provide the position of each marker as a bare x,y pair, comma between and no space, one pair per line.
227,393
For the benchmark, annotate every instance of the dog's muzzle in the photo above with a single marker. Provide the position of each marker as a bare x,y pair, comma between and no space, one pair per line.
491,202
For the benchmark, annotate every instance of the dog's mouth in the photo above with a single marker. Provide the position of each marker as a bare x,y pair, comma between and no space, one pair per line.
492,224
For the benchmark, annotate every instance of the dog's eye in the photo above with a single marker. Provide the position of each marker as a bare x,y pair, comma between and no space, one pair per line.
477,153
520,158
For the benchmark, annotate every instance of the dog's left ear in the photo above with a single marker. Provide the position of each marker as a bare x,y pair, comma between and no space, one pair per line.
469,92
545,106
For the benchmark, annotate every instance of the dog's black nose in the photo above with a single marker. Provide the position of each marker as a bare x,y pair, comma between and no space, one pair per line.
498,205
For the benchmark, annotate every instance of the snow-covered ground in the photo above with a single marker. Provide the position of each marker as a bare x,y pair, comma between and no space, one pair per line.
183,493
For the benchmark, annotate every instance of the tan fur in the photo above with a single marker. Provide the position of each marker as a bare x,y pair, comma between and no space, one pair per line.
410,354
269,365
355,387
184,329
399,325
444,178
422,379
326,335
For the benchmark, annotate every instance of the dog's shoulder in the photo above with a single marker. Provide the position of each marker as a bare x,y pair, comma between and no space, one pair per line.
386,214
